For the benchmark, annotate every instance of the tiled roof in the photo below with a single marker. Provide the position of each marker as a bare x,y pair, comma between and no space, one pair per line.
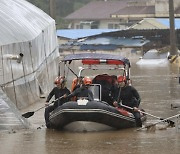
98,10
120,41
130,10
105,9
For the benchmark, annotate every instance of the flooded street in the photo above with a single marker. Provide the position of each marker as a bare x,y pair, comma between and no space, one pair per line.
123,141
158,88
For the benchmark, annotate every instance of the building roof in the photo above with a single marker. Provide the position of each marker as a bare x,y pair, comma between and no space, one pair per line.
136,10
155,23
165,21
119,41
98,10
81,33
108,47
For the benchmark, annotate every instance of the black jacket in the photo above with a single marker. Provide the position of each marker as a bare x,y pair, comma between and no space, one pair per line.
129,96
58,92
82,92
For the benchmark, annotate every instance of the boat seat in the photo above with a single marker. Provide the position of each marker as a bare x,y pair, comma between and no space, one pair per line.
105,81
96,90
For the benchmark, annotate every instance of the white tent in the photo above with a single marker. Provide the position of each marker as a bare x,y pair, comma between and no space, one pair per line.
27,31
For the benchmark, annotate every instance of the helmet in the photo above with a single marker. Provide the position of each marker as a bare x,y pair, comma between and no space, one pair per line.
87,80
59,80
121,79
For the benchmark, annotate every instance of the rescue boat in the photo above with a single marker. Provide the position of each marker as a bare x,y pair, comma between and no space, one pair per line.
99,114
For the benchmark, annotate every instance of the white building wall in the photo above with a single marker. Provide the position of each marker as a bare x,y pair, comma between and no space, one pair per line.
176,4
162,7
103,24
115,24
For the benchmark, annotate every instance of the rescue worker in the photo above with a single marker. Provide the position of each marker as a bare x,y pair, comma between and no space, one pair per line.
59,91
83,91
76,83
129,96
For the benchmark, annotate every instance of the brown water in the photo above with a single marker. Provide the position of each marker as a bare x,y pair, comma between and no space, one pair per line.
158,88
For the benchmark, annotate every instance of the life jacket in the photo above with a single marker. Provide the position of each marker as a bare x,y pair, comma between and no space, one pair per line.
124,112
73,87
74,83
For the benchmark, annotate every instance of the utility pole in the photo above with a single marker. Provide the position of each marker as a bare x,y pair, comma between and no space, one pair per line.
52,9
173,49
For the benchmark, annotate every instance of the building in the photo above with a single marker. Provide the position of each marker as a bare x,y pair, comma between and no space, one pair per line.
119,14
144,35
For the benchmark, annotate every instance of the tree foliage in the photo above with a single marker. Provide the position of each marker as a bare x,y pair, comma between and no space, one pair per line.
63,8
42,4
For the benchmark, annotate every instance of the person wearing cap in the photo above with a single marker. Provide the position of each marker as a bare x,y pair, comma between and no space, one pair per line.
76,83
83,91
58,91
129,96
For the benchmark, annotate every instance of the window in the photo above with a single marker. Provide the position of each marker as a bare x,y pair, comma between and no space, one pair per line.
110,26
77,26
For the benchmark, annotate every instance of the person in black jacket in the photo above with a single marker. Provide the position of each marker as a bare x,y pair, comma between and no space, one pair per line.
83,91
128,96
59,91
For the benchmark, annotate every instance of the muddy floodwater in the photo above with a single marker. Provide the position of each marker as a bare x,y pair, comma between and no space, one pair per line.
158,87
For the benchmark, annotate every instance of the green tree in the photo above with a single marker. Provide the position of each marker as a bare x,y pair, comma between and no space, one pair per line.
42,4
63,8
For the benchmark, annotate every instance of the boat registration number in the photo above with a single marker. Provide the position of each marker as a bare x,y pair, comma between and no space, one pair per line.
82,101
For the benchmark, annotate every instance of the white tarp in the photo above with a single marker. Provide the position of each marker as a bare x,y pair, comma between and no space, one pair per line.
28,30
21,21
